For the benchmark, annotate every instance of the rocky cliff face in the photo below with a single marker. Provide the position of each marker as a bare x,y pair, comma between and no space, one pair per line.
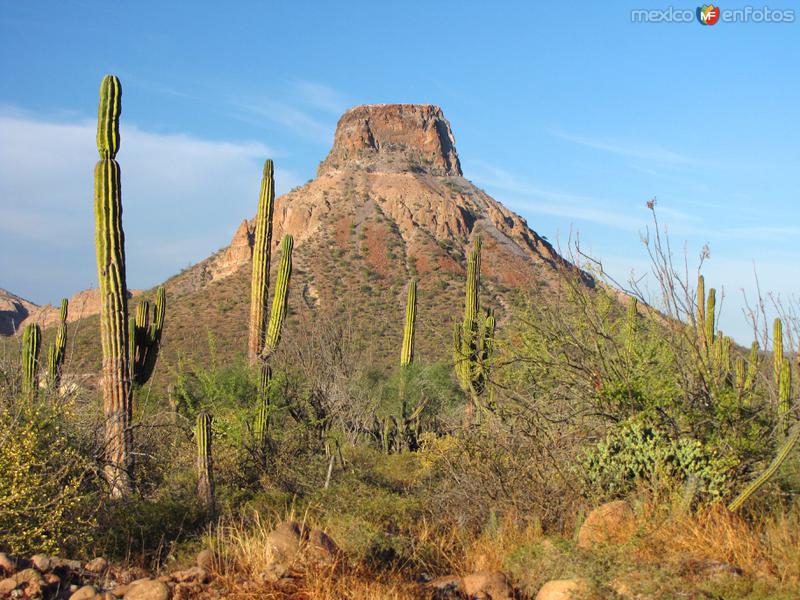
13,311
394,138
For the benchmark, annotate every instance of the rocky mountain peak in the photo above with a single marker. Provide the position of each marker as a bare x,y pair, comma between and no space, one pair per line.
394,138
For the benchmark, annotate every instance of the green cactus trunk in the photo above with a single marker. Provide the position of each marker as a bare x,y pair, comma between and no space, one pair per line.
777,350
710,315
785,395
752,368
110,247
31,346
205,461
739,373
406,358
473,341
279,302
701,309
58,349
145,337
262,249
783,453
261,426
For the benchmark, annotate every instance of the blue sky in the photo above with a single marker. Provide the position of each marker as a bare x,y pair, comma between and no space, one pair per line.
568,113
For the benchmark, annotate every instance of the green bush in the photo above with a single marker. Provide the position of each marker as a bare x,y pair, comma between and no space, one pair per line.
46,503
639,451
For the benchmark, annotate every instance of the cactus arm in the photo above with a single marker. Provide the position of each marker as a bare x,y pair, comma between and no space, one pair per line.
783,452
711,306
777,350
407,350
31,345
262,248
58,348
701,308
205,463
279,302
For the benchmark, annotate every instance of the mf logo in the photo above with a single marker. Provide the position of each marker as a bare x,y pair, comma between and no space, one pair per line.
708,14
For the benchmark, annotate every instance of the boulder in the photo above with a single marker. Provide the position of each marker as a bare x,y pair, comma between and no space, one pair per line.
611,523
563,589
487,585
321,548
447,586
148,589
87,592
41,562
285,540
7,566
97,565
205,559
7,585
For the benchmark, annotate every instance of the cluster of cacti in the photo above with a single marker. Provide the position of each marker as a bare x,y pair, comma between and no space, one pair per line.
205,462
145,337
473,340
110,249
31,345
58,349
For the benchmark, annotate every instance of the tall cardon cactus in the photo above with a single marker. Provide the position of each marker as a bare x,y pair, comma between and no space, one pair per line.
58,349
261,425
262,248
205,461
473,340
145,337
785,395
31,345
410,418
110,250
710,316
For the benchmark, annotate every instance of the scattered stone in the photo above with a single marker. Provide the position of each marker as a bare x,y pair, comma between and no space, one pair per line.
6,564
205,559
611,523
28,576
87,592
7,585
562,589
120,590
41,562
487,585
321,548
148,589
284,541
52,580
443,587
97,565
191,574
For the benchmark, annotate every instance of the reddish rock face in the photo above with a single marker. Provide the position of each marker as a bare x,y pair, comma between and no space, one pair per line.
394,138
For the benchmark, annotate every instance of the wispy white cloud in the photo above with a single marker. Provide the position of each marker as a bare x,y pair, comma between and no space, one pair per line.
323,97
648,152
290,117
532,198
183,198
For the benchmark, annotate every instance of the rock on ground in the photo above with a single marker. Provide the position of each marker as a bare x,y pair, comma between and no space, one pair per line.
611,523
